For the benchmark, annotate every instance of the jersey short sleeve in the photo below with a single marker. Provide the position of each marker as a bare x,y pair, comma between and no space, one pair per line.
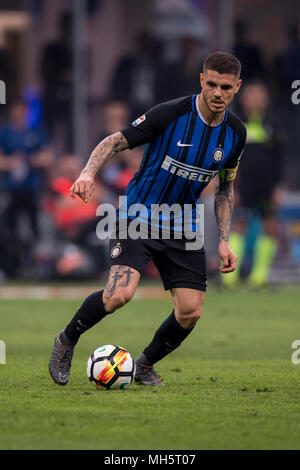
228,173
235,158
150,125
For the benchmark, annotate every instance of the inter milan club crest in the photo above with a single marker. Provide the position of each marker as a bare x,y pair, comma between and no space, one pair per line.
218,155
115,251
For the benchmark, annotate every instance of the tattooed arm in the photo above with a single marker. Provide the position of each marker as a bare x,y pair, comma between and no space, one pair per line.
224,199
105,150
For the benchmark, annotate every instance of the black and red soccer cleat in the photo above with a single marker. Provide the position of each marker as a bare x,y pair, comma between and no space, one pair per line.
147,375
60,361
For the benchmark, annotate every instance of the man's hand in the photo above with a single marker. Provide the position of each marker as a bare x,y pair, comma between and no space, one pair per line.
83,187
105,150
228,257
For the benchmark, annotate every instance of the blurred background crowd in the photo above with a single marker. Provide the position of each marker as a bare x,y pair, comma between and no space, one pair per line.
77,71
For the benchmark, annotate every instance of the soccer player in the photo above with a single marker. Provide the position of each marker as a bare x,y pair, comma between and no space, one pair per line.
189,141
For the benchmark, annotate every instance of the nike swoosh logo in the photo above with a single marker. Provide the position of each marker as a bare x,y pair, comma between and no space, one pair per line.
184,145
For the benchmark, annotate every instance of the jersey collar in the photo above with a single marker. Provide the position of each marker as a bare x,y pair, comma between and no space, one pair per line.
202,118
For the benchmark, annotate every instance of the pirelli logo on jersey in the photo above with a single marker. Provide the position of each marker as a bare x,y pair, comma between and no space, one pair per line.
188,172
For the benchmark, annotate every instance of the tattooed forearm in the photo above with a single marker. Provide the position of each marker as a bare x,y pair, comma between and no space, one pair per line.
224,199
119,276
128,273
104,151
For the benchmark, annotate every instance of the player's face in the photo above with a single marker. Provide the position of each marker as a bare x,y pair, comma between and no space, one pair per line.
218,89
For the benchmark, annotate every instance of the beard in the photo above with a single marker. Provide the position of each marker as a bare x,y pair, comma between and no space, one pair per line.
214,111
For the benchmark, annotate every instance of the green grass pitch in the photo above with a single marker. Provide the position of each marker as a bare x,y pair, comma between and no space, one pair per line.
231,385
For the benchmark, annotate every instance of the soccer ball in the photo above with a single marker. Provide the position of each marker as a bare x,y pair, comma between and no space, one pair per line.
111,367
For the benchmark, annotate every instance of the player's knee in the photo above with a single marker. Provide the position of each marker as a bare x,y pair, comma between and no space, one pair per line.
190,305
189,316
194,316
117,299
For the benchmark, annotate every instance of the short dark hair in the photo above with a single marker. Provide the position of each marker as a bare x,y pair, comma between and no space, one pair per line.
222,62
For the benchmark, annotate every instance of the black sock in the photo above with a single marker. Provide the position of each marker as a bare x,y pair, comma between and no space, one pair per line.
167,338
89,313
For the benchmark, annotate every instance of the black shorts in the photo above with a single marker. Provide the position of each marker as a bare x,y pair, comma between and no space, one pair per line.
177,266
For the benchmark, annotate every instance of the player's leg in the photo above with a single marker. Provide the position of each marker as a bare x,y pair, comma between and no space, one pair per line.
183,272
171,333
121,285
188,305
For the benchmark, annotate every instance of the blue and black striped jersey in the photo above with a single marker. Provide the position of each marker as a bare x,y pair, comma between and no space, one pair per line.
182,154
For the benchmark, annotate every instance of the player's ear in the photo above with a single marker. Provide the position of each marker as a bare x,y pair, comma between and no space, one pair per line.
201,78
238,85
